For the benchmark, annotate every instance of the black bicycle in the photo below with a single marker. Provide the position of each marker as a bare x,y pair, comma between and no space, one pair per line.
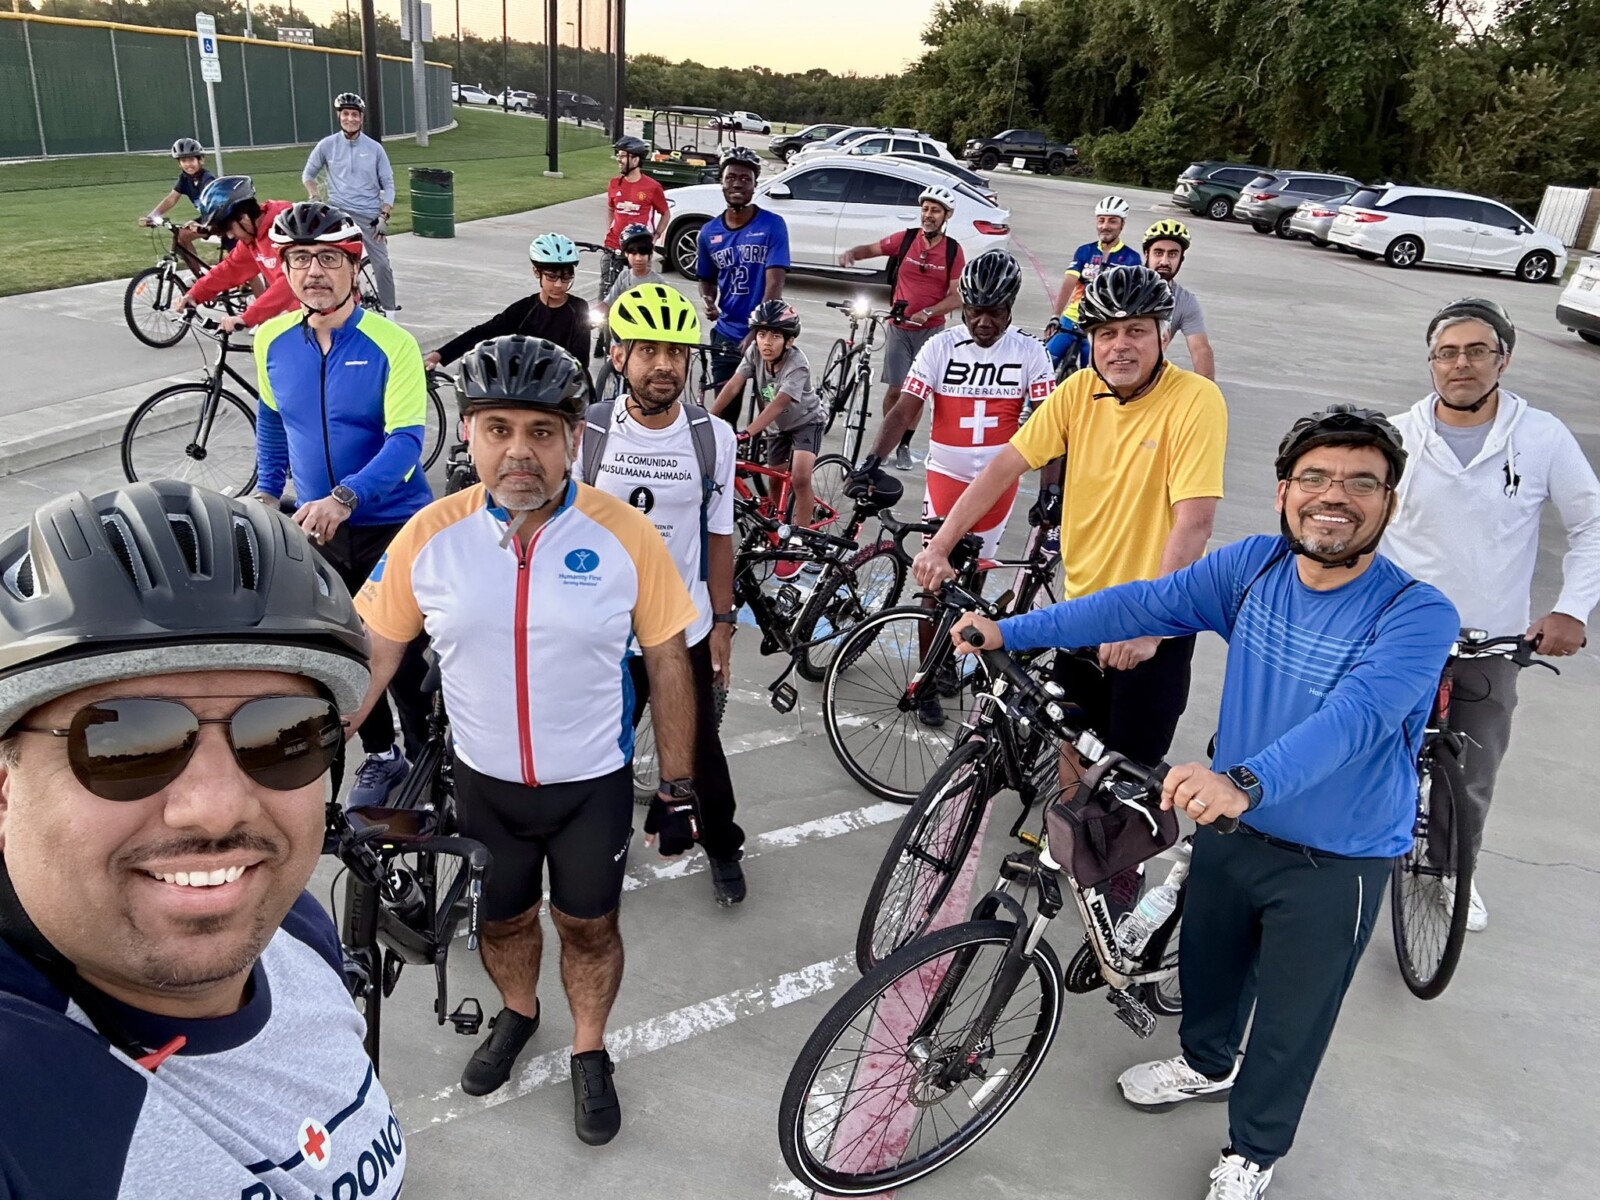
412,884
148,303
845,386
927,1052
1430,891
205,432
875,686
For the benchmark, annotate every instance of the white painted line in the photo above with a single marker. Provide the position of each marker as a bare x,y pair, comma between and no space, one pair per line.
632,1041
788,1185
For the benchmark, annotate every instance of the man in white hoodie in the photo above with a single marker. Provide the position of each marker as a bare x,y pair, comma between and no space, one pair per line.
1483,464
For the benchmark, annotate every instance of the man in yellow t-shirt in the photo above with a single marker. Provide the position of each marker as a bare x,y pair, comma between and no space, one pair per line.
1144,441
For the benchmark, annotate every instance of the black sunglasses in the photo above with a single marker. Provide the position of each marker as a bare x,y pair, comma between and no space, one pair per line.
133,746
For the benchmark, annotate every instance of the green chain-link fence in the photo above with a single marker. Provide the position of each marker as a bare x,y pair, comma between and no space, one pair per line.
84,87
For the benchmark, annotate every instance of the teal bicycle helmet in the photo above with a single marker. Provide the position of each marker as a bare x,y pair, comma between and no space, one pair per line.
553,250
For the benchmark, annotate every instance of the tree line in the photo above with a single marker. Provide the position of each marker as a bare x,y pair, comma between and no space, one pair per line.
1494,96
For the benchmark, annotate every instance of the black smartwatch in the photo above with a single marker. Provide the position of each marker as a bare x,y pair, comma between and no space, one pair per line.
1245,780
678,789
345,496
727,618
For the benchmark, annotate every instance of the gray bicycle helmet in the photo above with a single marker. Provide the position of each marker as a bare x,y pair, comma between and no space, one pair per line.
1487,311
160,577
991,279
1118,293
516,371
349,100
637,147
187,148
1342,425
739,156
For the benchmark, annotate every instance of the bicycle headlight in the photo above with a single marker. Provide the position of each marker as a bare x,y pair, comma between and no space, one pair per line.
861,307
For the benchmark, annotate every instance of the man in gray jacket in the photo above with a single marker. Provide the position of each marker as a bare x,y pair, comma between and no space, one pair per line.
1483,463
361,182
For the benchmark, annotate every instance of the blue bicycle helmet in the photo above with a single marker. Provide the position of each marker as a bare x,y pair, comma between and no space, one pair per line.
553,250
639,236
221,197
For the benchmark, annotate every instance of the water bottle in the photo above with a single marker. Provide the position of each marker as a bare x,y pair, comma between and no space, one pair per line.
1151,913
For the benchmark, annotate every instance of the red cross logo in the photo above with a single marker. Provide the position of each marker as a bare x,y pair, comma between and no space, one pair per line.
314,1143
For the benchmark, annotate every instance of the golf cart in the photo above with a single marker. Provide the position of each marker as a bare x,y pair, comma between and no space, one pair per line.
685,147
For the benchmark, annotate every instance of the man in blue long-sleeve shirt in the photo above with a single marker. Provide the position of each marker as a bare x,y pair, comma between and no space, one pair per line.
1334,654
343,404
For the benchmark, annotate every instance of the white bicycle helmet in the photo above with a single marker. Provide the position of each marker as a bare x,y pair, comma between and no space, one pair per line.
1112,206
939,194
553,250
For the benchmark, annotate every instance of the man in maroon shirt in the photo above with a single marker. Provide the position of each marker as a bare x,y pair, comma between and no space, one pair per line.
929,267
632,198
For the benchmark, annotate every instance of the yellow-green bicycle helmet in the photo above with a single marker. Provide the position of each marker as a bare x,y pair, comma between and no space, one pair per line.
654,312
1169,231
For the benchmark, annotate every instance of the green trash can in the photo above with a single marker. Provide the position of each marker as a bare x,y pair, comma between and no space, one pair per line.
433,202
650,132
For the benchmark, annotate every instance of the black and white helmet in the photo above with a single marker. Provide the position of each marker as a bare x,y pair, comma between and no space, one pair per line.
992,279
314,223
1117,293
187,148
739,156
349,100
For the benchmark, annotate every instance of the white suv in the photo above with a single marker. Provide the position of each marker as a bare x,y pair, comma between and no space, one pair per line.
1408,225
1579,305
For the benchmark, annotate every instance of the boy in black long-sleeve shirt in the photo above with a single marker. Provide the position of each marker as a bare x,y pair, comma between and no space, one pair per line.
551,312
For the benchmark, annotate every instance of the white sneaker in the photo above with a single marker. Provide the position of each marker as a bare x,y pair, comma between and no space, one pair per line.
1477,912
1167,1082
1237,1178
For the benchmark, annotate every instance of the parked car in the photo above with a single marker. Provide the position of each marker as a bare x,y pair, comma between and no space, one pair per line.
833,204
470,93
1579,305
898,144
1270,199
1409,225
744,122
1210,188
786,147
513,100
978,183
1035,151
579,107
847,136
1314,218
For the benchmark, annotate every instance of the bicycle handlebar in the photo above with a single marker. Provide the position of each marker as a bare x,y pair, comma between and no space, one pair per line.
804,532
1473,643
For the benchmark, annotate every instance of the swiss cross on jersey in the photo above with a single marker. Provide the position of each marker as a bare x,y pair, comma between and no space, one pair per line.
978,393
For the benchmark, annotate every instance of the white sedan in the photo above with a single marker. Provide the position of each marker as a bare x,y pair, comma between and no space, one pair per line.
471,93
833,203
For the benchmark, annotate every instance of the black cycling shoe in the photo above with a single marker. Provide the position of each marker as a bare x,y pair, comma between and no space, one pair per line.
596,1111
929,711
727,880
490,1065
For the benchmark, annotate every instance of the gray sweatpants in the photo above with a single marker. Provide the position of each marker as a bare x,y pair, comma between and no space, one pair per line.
378,255
1481,705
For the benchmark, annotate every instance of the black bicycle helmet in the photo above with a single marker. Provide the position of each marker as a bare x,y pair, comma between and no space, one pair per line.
637,147
993,278
1342,425
315,223
516,371
222,198
1118,293
777,315
742,156
187,148
1487,311
349,100
637,237
160,577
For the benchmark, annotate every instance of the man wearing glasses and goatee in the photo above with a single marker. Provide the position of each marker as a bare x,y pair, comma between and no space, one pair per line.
173,1012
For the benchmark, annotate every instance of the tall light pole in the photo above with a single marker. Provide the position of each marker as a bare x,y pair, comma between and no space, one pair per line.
577,87
1016,72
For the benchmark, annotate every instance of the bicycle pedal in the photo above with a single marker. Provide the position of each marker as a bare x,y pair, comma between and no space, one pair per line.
1132,1012
465,1020
784,697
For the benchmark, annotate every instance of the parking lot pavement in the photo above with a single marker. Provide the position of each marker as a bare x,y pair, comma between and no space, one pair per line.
1479,1093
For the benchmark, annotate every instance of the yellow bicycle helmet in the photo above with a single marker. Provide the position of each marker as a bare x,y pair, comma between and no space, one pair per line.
654,312
1167,230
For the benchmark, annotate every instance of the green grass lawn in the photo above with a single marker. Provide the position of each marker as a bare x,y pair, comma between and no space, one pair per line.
70,221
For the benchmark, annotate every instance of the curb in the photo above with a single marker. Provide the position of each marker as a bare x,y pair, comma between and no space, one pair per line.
60,431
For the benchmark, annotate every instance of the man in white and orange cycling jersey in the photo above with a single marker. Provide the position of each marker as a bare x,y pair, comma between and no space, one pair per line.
982,378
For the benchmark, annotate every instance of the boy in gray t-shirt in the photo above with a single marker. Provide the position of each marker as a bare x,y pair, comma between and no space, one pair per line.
638,244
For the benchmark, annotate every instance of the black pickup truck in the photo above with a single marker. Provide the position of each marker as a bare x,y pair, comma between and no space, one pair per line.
1036,152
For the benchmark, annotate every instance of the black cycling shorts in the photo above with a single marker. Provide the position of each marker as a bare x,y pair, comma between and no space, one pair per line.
1135,712
582,829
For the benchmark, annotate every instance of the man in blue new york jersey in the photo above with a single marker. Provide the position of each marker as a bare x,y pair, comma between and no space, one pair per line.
743,259
343,403
1334,654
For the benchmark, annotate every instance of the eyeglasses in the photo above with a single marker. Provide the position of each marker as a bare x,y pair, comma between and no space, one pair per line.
1476,353
557,274
1360,487
299,260
133,746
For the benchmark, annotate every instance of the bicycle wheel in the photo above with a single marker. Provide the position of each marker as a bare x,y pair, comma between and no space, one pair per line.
436,425
926,855
1430,889
832,384
882,1093
363,970
178,434
869,582
367,288
147,306
828,475
607,382
646,767
856,412
699,381
872,720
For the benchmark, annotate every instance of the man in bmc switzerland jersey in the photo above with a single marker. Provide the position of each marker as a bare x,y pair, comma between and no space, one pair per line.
174,1019
534,588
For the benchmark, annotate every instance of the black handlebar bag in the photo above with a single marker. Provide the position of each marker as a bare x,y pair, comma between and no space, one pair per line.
1095,835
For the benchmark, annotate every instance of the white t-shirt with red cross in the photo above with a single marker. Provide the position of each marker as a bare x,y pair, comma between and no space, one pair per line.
978,395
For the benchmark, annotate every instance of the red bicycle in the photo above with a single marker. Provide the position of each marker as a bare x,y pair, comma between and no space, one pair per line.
769,491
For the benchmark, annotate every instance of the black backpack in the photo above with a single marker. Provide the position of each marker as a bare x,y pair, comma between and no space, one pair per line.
899,256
